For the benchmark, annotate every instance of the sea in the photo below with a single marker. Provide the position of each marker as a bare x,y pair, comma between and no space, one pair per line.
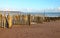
47,14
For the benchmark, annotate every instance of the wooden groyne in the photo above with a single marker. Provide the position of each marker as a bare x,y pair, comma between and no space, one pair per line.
21,19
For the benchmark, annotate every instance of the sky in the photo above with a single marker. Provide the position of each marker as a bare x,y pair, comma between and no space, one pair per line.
29,5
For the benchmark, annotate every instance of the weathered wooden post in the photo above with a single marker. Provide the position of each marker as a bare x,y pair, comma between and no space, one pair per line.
4,20
9,20
29,19
1,20
39,19
25,19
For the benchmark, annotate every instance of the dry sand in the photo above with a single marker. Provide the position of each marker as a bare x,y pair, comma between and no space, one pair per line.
45,30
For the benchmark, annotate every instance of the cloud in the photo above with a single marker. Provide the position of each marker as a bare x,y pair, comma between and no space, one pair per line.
59,8
31,9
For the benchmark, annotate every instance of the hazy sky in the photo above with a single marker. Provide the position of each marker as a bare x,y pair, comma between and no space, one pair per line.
29,4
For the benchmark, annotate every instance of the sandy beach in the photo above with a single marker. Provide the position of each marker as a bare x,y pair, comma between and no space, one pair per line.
45,30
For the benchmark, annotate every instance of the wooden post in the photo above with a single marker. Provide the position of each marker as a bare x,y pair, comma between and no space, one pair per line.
1,20
9,19
29,21
4,20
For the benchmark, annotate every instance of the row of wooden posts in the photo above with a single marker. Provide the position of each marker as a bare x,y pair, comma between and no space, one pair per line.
8,20
32,19
5,21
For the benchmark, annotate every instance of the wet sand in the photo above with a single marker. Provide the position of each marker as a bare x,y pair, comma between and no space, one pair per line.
45,30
